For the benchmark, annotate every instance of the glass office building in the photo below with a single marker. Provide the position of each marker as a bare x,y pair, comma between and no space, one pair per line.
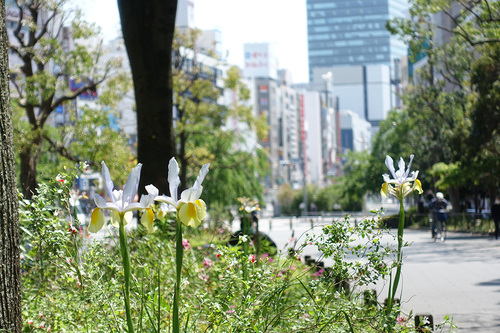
352,32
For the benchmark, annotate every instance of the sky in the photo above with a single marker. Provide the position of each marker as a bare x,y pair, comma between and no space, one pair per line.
281,23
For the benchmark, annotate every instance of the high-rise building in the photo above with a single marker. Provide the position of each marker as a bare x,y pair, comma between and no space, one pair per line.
353,32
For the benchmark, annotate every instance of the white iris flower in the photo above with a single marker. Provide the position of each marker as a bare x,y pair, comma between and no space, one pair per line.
191,210
121,204
403,183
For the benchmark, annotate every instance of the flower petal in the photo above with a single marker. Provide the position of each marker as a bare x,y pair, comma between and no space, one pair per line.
190,195
418,186
131,186
147,200
173,178
107,181
127,218
201,176
203,206
97,220
385,189
401,166
134,206
115,218
147,219
189,214
168,200
409,166
99,201
151,189
389,163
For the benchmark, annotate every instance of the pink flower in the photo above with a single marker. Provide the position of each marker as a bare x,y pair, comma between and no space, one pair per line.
30,322
185,244
218,255
252,258
266,256
319,272
402,321
207,262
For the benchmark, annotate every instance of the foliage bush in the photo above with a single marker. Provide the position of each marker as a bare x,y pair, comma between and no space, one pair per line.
73,283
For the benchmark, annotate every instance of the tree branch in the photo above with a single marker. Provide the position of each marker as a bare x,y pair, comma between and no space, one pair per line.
61,150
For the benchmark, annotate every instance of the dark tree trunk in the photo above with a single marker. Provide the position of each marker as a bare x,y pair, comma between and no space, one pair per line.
29,161
454,193
10,271
148,31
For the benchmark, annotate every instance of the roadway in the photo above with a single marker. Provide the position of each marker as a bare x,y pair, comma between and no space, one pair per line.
459,277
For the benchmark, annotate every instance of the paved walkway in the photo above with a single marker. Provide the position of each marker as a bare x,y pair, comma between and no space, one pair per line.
459,277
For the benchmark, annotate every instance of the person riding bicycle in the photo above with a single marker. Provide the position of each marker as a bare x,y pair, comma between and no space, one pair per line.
439,208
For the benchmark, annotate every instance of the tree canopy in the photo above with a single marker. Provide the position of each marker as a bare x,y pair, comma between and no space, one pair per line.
451,114
202,87
56,59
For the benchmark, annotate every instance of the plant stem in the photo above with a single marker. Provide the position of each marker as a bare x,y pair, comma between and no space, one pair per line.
246,231
178,268
399,261
126,270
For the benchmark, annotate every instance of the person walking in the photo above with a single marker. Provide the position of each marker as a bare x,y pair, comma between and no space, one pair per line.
495,215
439,209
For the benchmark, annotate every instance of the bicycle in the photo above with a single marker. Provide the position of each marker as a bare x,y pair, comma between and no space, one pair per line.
439,226
440,231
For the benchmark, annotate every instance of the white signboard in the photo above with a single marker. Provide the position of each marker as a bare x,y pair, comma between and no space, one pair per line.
260,61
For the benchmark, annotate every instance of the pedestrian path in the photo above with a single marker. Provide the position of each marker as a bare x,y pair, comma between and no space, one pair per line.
459,277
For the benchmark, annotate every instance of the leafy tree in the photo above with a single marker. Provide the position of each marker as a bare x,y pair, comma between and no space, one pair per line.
352,186
10,270
148,31
451,109
54,46
201,121
285,199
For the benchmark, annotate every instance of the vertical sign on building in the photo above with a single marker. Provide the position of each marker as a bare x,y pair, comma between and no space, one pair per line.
303,133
